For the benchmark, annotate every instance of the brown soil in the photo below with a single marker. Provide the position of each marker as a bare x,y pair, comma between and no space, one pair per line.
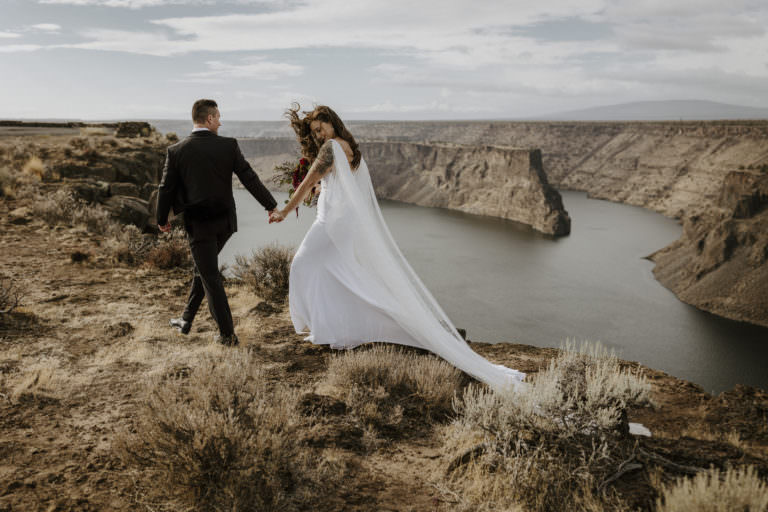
75,357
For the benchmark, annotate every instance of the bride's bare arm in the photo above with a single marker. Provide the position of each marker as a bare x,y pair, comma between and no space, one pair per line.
317,170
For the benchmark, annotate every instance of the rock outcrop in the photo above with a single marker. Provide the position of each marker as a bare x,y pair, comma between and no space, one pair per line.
720,263
483,180
120,173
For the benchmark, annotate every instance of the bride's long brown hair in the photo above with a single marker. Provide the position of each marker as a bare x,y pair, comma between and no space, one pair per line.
309,147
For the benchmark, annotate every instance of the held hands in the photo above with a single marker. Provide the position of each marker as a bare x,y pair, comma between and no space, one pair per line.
276,216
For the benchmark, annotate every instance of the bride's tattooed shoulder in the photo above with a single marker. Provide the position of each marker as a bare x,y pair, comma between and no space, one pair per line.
324,159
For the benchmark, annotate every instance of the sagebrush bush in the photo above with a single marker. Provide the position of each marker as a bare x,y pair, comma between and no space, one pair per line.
219,437
266,271
552,446
170,251
10,294
8,182
34,167
62,207
130,246
735,490
383,387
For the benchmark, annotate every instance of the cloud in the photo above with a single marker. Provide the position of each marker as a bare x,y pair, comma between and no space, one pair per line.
139,4
254,67
9,35
46,27
16,48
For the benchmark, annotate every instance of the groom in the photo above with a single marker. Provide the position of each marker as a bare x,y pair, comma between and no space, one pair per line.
197,180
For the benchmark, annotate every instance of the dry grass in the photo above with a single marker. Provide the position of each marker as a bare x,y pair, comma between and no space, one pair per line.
266,271
552,447
216,436
391,392
95,131
43,378
735,490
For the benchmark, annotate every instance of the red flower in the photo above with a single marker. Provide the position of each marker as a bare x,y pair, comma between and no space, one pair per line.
303,161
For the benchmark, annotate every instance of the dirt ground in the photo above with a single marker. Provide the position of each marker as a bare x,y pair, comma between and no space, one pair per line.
75,355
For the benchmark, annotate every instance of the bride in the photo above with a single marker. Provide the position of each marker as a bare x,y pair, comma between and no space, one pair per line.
349,283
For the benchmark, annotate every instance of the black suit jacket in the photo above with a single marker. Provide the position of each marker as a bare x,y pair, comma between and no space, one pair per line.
197,179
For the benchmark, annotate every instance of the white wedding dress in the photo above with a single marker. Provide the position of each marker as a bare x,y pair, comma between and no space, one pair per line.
350,284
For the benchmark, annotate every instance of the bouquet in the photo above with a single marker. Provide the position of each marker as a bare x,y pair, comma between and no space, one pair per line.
288,173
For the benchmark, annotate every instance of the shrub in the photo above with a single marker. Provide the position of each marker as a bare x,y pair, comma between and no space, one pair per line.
393,392
62,207
170,251
10,294
132,247
735,490
7,183
266,271
34,167
217,437
553,446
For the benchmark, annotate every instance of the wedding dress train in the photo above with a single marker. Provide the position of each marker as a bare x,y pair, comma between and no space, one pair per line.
350,284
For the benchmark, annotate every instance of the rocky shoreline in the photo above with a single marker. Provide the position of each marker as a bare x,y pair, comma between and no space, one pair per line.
719,264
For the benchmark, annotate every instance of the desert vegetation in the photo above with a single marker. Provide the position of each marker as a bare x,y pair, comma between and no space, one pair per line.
104,407
266,271
10,294
217,435
391,392
557,446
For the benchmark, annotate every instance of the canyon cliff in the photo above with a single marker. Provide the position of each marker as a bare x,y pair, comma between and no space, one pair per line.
719,262
669,167
688,170
483,180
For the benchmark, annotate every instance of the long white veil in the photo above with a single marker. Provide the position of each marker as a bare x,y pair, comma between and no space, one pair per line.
357,229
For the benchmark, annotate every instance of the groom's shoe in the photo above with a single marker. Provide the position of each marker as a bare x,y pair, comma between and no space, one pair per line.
182,325
228,341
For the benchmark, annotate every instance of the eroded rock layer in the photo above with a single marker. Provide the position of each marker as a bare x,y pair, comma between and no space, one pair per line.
483,180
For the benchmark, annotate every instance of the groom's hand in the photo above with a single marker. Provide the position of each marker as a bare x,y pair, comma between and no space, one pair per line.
275,216
166,228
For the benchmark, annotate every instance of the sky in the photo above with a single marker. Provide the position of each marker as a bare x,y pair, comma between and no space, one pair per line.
389,59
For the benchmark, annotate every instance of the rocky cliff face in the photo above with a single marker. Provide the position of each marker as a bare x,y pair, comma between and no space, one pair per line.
668,167
720,263
483,180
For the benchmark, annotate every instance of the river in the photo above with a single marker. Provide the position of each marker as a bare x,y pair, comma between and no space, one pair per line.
504,282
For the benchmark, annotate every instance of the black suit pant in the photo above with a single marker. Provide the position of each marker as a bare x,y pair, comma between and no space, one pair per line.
206,239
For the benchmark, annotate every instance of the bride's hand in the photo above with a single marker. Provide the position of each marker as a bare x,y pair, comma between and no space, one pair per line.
276,216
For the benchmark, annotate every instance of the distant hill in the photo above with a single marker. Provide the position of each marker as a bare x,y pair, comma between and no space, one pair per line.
672,110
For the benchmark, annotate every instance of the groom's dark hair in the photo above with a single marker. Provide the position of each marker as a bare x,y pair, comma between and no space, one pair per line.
202,109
